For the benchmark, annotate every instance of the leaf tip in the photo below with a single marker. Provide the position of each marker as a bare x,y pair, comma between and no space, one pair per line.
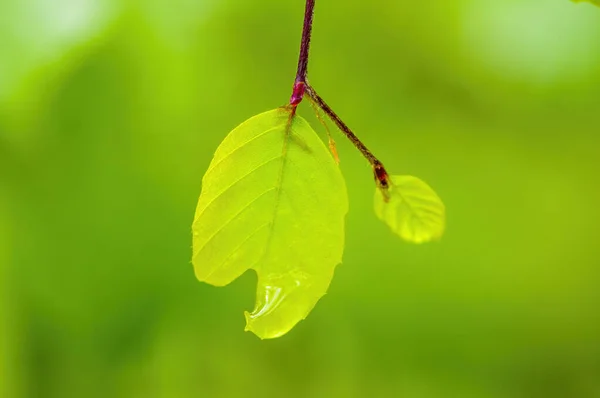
249,323
261,332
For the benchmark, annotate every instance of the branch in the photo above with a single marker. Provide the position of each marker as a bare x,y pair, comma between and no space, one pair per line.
299,83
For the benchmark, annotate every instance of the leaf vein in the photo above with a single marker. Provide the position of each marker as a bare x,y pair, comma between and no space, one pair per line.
212,167
279,183
236,182
232,219
257,230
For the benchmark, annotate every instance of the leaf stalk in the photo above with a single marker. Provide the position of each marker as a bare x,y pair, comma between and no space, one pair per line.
301,88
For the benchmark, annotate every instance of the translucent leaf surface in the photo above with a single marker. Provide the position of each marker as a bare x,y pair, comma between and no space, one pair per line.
411,209
272,200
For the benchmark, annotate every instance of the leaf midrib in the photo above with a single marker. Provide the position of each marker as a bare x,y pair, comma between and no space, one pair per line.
279,184
411,208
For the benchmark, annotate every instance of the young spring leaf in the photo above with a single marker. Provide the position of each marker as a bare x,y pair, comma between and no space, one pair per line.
273,200
411,209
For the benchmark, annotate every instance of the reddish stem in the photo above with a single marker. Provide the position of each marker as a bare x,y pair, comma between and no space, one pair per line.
302,87
381,175
299,83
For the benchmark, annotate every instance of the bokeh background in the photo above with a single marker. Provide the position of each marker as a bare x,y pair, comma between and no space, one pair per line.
111,110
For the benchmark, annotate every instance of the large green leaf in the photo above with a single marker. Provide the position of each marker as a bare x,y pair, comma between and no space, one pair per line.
411,209
272,200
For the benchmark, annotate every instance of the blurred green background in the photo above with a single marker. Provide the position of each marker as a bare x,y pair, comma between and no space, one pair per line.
111,110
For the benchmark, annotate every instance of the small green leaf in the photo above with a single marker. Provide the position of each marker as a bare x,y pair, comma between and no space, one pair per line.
411,209
272,200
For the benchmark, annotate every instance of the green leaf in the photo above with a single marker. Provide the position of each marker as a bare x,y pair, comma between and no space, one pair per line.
272,200
411,209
